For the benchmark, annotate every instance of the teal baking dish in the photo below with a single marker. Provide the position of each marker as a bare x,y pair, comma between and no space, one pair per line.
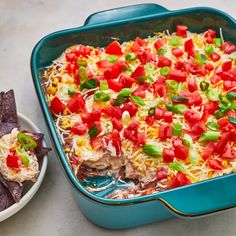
195,200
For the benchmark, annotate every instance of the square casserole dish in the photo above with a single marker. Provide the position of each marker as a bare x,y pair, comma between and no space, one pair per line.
191,201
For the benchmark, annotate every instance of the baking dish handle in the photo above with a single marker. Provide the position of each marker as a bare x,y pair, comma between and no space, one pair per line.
124,13
203,198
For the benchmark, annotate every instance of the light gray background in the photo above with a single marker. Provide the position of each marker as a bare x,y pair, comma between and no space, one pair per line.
53,210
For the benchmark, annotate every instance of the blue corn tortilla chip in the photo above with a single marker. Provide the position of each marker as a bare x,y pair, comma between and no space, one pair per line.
9,113
6,199
14,188
1,110
6,128
41,151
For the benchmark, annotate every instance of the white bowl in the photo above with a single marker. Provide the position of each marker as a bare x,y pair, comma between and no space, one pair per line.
30,188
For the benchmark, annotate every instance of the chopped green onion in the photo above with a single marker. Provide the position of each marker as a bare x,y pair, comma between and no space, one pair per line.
212,95
93,131
212,126
152,150
204,85
119,100
131,56
178,108
112,58
26,141
82,62
225,104
172,84
179,99
217,42
83,74
209,136
200,58
193,156
101,96
125,92
177,129
231,95
219,113
89,84
232,120
165,70
150,68
24,156
103,85
162,50
71,91
209,49
138,100
187,140
177,166
151,111
175,41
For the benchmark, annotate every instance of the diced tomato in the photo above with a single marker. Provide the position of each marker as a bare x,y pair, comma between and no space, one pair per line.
138,72
228,47
210,33
145,56
168,116
163,61
159,43
197,129
158,113
208,150
116,142
192,116
70,57
194,98
168,155
103,64
131,108
210,107
114,85
13,161
178,75
177,52
209,67
82,51
181,152
229,153
131,132
192,85
161,173
189,47
228,85
165,131
223,122
149,120
215,56
179,180
215,79
141,138
114,48
215,164
114,71
221,144
159,88
116,124
126,81
78,129
113,112
181,30
138,45
56,106
226,65
140,91
76,103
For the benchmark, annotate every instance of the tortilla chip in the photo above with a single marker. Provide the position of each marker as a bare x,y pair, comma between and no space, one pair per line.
13,187
9,113
42,151
6,128
1,110
6,199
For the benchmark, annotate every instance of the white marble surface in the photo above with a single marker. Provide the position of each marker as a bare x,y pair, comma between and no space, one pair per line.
53,210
